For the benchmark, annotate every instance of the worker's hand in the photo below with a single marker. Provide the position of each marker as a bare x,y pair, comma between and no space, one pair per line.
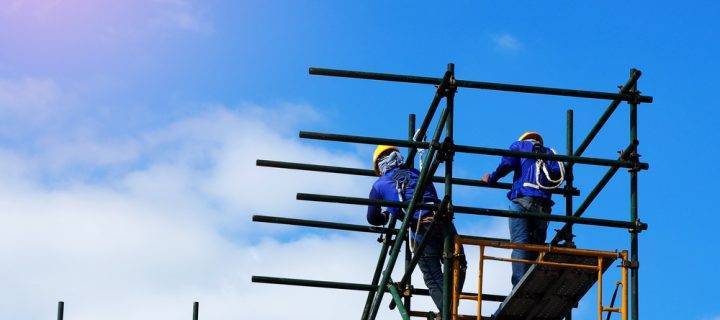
486,178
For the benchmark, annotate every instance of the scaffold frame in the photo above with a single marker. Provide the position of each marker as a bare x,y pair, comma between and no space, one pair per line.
441,149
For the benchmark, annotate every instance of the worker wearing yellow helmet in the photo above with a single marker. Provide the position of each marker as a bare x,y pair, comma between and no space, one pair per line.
382,151
532,181
397,183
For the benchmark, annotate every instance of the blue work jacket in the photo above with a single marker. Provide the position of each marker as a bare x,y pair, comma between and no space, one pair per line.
523,170
386,188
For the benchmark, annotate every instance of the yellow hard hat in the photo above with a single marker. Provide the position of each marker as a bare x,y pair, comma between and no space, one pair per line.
531,135
378,152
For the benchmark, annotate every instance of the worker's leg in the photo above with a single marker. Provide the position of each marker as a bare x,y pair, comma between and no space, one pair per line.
519,233
539,234
539,227
431,264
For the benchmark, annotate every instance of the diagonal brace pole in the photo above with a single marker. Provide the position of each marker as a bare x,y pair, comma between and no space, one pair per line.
397,298
379,265
417,195
562,233
626,89
439,94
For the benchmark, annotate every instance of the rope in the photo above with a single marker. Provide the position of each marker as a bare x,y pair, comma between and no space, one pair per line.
541,166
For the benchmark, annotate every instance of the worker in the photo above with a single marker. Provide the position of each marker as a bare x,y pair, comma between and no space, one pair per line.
397,183
532,181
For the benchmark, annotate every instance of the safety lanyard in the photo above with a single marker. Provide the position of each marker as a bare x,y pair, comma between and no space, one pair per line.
541,166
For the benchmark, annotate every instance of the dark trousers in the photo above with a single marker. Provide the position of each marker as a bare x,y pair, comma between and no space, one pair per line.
527,230
432,258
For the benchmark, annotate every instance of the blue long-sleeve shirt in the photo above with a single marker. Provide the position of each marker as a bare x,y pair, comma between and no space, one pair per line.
523,170
385,188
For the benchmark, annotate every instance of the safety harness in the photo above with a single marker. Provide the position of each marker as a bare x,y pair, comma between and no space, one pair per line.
542,173
400,187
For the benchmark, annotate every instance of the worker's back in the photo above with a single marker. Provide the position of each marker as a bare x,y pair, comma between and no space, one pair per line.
525,175
386,188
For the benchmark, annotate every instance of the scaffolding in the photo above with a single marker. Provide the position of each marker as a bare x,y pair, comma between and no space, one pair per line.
546,291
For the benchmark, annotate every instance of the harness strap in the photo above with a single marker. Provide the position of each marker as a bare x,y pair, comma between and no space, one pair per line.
541,166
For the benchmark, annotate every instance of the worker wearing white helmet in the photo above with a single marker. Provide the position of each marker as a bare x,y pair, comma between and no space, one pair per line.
397,183
532,181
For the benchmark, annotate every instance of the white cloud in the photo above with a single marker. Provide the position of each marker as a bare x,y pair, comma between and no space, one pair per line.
172,225
507,42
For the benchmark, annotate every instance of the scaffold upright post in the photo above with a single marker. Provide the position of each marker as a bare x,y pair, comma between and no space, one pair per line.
61,310
568,234
634,301
569,175
408,253
196,310
448,241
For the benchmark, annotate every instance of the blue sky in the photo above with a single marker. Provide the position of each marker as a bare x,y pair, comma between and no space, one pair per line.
155,111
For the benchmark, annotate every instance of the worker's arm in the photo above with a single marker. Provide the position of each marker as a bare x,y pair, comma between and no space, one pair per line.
507,165
375,216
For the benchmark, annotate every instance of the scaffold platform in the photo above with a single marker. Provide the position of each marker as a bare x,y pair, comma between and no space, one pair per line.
549,293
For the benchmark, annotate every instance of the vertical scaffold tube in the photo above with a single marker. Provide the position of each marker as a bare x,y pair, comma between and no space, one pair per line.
600,288
624,308
448,241
408,252
61,310
481,265
455,276
634,302
568,170
569,182
196,310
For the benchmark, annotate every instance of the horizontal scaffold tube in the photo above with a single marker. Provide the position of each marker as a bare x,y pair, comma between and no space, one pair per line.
478,211
346,226
428,315
481,85
370,173
350,286
471,149
322,224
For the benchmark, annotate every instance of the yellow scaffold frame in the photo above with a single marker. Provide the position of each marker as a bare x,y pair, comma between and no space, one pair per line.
542,250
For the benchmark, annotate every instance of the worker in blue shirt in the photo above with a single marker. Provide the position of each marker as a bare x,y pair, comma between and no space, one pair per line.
532,181
396,183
